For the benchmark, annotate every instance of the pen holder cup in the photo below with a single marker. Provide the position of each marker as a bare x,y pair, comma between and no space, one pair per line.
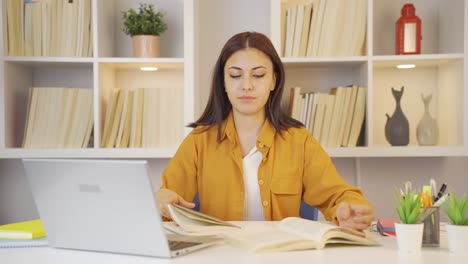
431,232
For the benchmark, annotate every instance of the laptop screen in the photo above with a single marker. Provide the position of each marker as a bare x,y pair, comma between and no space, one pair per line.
100,205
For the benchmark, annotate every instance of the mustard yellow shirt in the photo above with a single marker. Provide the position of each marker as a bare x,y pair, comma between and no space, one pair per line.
294,168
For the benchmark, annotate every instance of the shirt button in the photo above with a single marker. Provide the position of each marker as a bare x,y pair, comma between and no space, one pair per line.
265,203
260,182
261,145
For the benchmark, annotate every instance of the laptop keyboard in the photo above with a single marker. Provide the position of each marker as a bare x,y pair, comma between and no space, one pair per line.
176,245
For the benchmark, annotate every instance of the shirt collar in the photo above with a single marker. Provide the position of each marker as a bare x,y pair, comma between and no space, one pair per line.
266,136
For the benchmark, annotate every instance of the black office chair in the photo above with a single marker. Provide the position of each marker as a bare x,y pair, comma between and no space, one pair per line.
306,211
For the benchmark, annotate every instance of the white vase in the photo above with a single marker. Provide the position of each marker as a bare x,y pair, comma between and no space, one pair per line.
409,236
457,238
427,131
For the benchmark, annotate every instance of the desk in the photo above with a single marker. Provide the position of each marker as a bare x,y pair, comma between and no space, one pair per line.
227,254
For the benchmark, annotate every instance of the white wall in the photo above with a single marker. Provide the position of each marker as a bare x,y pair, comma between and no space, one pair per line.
378,177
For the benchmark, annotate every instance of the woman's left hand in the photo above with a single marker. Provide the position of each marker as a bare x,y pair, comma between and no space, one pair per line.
355,216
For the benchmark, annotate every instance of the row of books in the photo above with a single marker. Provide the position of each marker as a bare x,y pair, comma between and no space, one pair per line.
335,119
59,118
47,28
143,118
323,27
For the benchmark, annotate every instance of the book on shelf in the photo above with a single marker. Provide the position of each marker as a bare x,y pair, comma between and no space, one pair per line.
294,233
298,30
137,119
345,109
305,29
67,113
337,112
189,222
47,28
31,229
315,28
332,15
310,103
357,120
358,41
303,108
295,102
149,132
313,99
320,100
4,27
349,115
124,140
115,122
110,115
291,26
14,21
327,119
122,119
32,102
58,117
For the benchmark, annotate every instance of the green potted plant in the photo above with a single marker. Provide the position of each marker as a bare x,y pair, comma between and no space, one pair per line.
456,209
145,27
409,231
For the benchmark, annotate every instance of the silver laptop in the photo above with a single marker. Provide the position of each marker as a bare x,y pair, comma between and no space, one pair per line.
103,205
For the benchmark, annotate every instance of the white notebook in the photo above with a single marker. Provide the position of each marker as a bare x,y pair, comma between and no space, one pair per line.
13,243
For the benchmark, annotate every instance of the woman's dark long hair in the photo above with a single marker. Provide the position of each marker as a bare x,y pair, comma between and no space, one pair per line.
219,106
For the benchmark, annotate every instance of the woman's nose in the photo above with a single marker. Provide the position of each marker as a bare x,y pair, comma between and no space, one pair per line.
247,84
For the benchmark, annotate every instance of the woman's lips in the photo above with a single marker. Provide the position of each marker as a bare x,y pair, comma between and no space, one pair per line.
246,97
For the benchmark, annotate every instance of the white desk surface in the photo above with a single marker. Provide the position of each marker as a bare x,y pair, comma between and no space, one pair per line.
226,254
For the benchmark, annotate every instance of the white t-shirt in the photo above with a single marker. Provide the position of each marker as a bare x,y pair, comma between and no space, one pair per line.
253,209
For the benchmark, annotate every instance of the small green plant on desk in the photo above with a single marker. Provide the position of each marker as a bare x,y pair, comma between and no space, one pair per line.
408,207
456,210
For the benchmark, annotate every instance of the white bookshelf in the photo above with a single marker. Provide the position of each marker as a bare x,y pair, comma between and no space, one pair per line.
439,70
111,66
189,49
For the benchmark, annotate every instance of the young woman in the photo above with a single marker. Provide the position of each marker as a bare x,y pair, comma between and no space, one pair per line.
247,159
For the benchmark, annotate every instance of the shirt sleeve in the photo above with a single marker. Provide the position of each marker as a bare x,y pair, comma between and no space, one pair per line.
180,175
323,186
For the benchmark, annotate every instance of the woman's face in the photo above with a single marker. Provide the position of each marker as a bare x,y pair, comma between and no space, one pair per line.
248,80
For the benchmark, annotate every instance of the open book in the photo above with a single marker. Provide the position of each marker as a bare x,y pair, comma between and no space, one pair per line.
190,222
294,233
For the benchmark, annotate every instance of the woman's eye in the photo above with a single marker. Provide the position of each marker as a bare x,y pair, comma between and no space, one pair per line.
259,75
235,76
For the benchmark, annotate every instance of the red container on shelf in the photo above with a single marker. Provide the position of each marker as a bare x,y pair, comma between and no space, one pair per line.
408,31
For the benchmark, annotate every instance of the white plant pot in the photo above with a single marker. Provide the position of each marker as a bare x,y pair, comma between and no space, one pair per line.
409,237
457,239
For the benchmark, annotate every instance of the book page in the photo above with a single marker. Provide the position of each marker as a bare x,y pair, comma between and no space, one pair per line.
271,240
324,233
192,221
177,209
305,228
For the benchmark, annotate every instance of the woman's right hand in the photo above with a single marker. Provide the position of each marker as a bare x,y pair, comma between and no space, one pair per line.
165,197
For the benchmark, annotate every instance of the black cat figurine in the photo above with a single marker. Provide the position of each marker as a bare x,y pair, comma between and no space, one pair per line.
397,126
